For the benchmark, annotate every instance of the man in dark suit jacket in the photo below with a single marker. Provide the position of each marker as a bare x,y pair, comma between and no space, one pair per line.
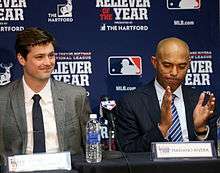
65,108
145,115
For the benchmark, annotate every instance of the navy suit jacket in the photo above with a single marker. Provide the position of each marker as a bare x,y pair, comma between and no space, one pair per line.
138,115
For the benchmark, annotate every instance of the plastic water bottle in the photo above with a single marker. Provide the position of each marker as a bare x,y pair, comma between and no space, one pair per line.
93,140
218,137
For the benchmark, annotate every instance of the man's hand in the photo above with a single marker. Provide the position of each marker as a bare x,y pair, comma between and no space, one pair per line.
203,112
166,114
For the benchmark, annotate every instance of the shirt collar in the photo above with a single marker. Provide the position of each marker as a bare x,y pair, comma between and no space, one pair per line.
45,93
160,90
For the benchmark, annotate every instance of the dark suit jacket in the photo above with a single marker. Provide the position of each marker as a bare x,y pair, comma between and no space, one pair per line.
139,114
71,109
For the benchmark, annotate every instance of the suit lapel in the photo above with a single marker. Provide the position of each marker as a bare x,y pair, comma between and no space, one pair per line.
59,111
152,104
189,113
18,107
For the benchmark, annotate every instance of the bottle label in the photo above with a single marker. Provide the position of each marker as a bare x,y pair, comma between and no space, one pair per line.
218,133
93,138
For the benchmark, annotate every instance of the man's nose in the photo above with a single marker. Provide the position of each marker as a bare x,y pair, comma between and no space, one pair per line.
174,71
47,60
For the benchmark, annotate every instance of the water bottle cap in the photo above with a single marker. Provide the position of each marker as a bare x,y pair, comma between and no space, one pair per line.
93,116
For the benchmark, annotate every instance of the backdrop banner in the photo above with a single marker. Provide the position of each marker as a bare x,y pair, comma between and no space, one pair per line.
106,45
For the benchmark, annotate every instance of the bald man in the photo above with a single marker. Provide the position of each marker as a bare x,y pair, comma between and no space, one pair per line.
164,109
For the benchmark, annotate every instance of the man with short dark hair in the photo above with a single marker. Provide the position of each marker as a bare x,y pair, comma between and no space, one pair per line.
37,108
164,109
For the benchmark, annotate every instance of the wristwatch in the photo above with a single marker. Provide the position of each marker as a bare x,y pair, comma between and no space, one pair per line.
203,132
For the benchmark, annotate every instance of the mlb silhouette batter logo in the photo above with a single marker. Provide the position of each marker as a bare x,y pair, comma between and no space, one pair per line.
183,4
125,65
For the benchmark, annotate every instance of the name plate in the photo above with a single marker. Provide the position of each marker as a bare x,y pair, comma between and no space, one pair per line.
39,162
182,150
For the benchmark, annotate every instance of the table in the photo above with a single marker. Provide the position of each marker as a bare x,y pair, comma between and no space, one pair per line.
143,163
57,171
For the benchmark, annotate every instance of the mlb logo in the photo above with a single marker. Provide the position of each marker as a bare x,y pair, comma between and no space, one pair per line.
124,65
183,4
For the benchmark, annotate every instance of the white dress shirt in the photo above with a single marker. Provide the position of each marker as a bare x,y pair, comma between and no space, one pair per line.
180,106
46,102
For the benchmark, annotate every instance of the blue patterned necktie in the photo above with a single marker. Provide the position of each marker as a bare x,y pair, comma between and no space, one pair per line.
175,132
38,126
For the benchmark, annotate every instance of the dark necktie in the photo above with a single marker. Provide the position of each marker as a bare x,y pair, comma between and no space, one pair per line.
175,132
38,126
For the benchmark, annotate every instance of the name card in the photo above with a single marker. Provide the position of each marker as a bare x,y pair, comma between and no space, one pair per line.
39,162
169,150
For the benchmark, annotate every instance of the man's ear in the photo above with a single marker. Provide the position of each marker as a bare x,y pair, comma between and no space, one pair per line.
154,61
21,59
189,61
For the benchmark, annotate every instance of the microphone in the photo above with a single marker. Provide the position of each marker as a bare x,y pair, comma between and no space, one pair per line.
107,110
